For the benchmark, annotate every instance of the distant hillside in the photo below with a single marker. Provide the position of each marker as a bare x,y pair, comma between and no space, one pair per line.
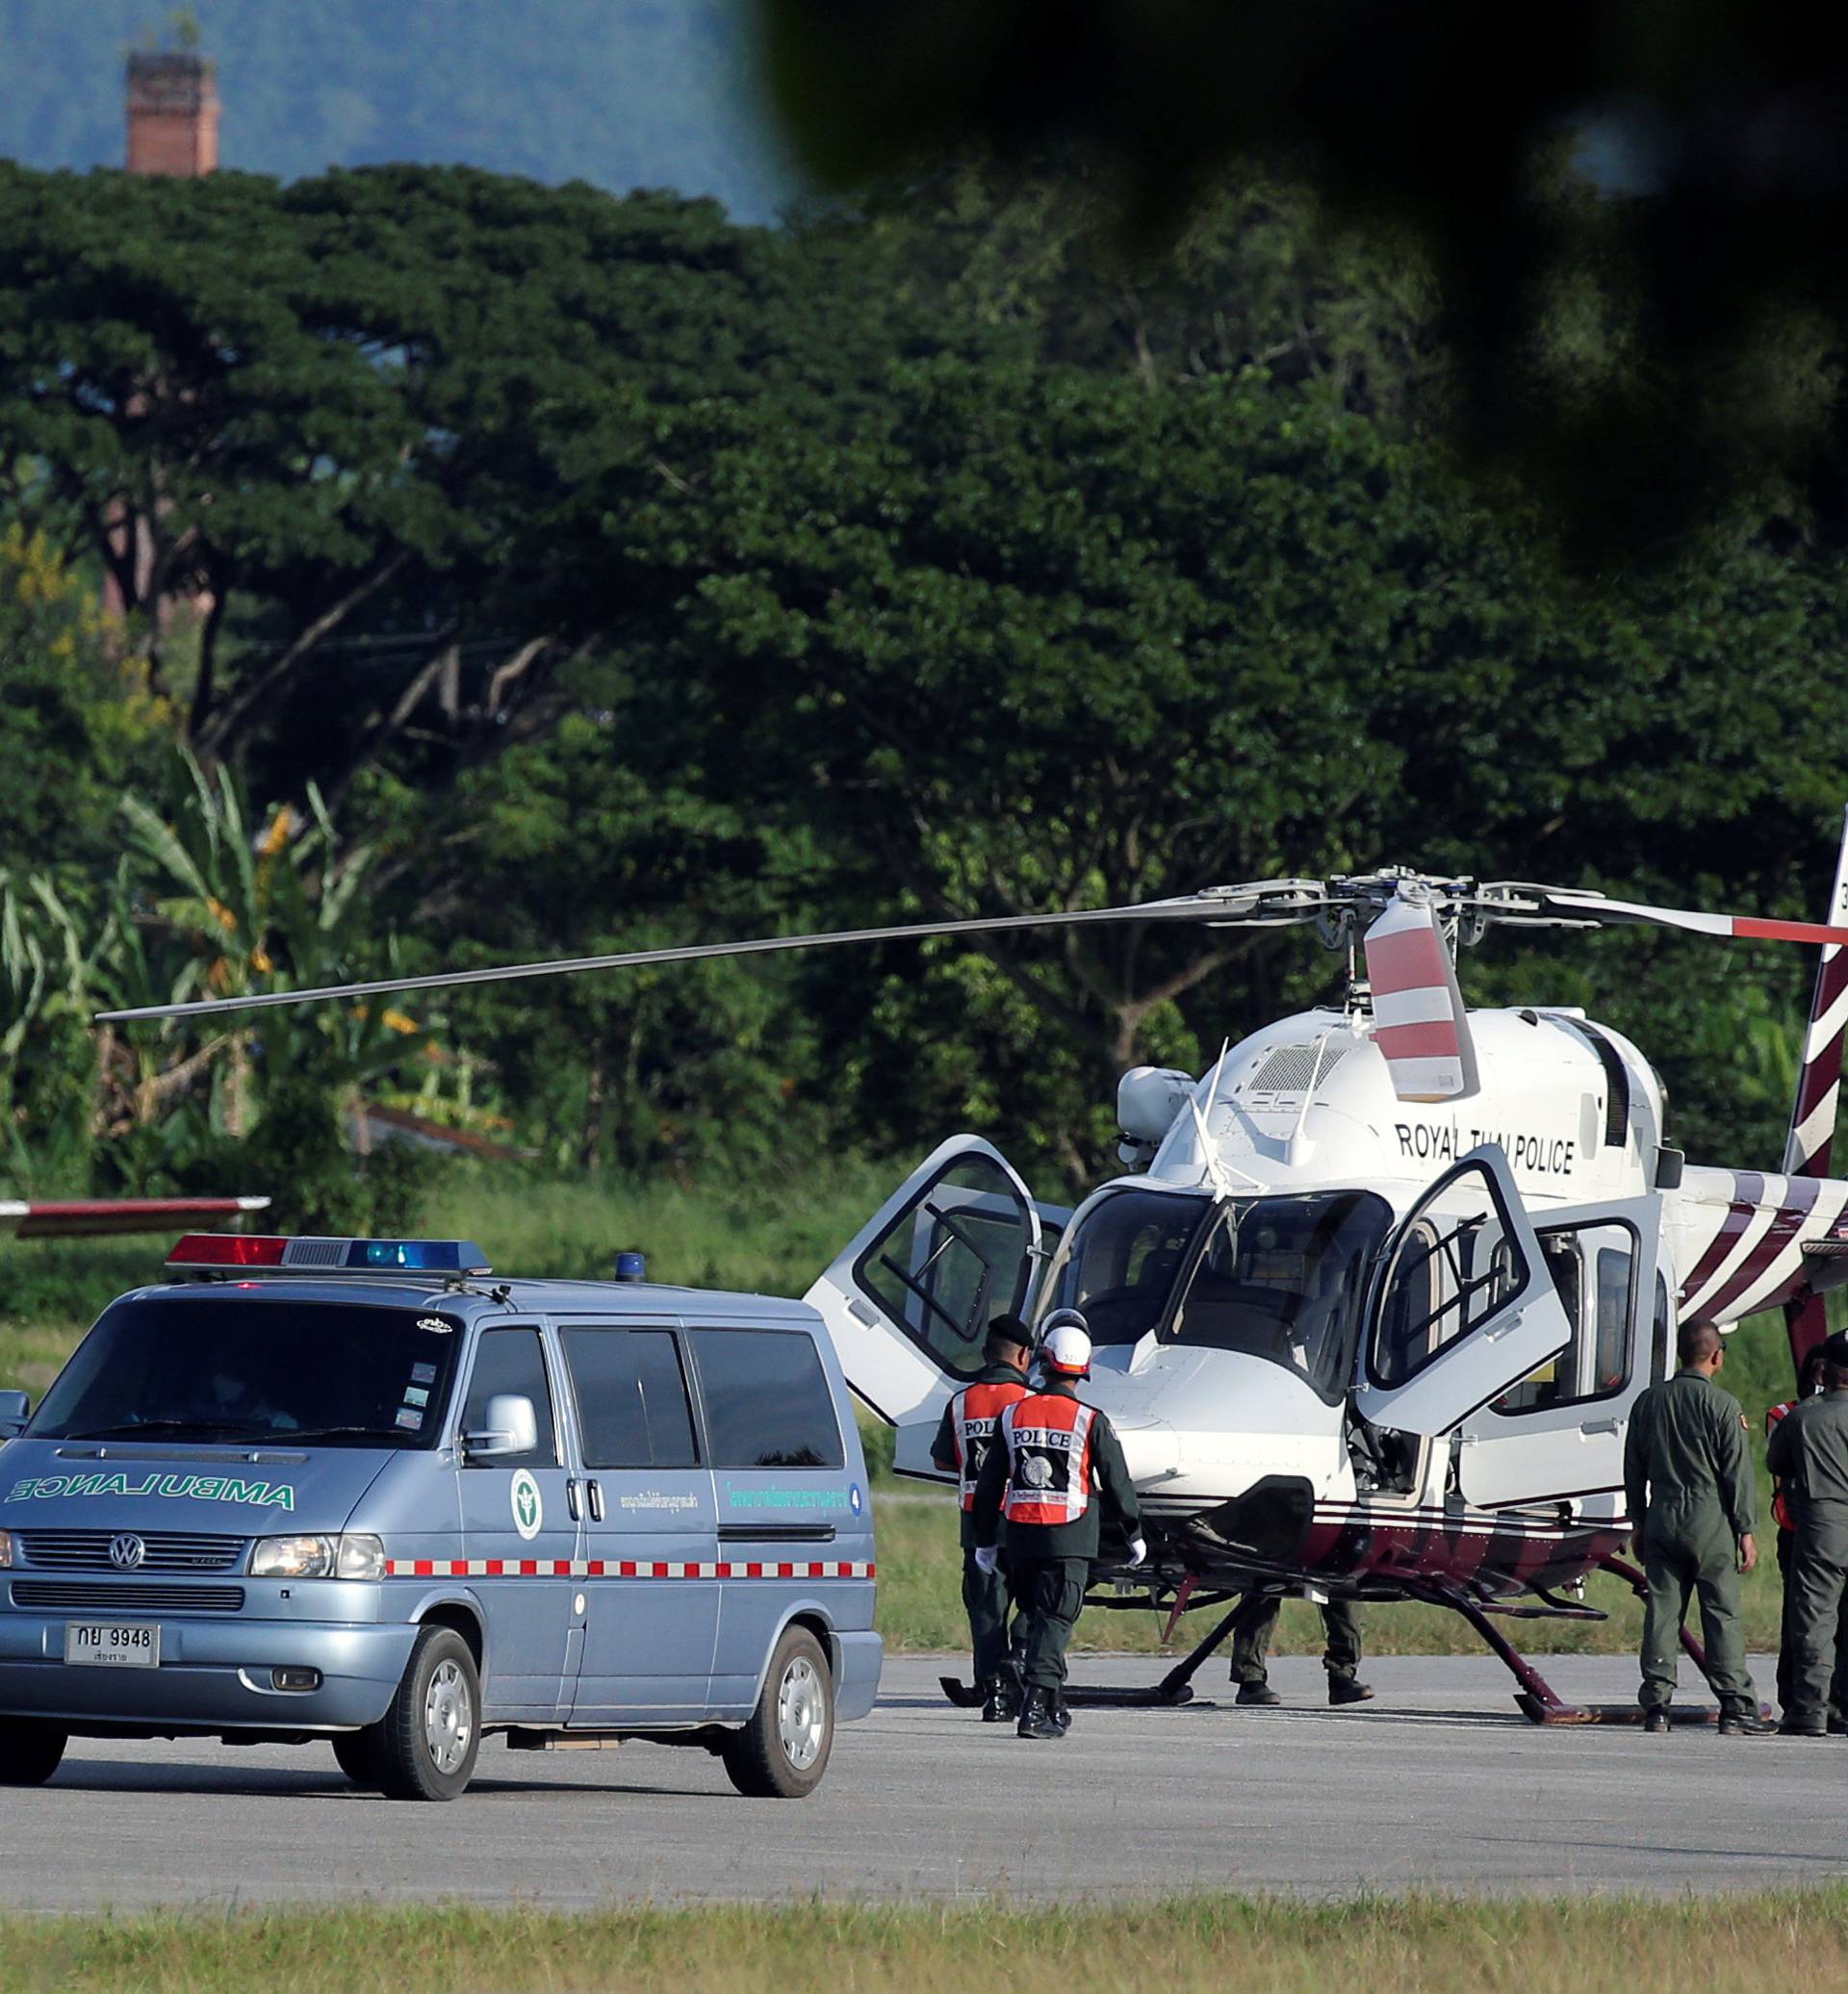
620,93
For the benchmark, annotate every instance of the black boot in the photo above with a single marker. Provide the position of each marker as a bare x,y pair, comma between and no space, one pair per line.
1036,1718
1003,1701
1061,1712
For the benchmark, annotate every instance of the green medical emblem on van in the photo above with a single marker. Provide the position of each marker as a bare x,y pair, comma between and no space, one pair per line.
195,1488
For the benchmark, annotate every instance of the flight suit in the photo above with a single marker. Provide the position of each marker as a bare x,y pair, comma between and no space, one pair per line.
1687,1480
1785,1518
985,1593
1051,1562
1808,1454
1257,1619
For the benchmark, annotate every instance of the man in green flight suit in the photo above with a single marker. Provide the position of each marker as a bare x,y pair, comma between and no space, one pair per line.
1052,1456
1251,1631
1808,1454
1687,1480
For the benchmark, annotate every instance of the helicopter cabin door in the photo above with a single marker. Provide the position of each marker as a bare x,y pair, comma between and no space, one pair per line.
1464,1307
908,1303
1556,1434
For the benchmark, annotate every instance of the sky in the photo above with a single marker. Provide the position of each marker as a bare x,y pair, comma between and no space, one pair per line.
623,93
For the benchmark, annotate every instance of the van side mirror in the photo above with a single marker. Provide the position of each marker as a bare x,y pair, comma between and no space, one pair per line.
15,1409
512,1428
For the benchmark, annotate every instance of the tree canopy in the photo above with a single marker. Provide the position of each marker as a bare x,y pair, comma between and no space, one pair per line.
533,573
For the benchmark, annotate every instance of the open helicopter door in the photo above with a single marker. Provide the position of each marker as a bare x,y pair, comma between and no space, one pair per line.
908,1303
1464,1307
1556,1434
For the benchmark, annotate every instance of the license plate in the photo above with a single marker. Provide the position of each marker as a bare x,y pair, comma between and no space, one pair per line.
112,1644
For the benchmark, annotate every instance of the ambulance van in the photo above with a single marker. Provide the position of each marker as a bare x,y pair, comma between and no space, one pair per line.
363,1492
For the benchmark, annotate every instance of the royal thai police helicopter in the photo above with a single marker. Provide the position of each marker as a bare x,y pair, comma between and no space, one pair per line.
1374,1303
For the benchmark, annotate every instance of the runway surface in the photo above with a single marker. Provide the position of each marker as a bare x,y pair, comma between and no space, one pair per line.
1439,1783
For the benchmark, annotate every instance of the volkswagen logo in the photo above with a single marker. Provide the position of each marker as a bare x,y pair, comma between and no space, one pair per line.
126,1551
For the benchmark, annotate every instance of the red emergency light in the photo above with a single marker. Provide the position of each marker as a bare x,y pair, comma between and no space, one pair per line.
227,1250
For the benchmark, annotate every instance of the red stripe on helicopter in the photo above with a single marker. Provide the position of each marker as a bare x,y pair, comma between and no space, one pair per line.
1748,1188
1432,1040
1411,960
1786,1222
1749,928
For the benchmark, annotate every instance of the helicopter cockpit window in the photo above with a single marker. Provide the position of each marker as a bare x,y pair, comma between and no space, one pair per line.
955,1258
1285,1278
1120,1260
1454,1268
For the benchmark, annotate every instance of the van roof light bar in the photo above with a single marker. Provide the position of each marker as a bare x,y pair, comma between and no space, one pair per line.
261,1253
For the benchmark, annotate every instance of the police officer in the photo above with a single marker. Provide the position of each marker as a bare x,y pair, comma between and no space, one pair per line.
1808,1454
1254,1624
1688,1485
1053,1454
962,1446
1809,1374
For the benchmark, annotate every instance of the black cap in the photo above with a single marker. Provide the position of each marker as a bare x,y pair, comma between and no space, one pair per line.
1834,1350
1007,1329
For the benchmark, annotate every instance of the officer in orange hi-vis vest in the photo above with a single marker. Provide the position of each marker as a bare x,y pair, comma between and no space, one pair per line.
962,1446
1057,1465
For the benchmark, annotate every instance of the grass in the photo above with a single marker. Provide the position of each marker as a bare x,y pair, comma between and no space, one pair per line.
1417,1945
774,1240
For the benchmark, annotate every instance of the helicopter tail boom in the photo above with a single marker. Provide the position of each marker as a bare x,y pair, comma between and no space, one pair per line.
1811,1140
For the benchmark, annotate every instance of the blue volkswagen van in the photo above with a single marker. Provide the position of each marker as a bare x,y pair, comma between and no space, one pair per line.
362,1490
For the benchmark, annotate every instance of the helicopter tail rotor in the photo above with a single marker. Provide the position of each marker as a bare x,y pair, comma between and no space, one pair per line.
1421,1024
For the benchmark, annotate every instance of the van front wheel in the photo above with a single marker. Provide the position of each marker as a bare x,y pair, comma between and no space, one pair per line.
782,1751
424,1748
29,1751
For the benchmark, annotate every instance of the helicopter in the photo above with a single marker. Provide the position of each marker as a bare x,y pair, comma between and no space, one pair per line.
1373,1301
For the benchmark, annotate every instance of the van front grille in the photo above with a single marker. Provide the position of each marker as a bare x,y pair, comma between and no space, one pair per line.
73,1596
162,1551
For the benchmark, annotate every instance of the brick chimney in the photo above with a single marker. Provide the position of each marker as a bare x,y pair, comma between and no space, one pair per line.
172,113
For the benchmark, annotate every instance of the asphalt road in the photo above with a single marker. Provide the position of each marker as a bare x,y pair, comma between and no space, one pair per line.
1439,1783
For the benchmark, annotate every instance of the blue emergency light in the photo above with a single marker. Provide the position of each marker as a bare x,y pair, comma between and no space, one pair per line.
420,1256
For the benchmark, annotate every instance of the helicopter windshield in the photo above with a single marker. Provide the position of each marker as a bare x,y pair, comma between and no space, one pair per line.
1283,1278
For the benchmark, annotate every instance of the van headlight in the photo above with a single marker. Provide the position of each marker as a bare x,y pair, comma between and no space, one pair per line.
5,1549
293,1557
355,1555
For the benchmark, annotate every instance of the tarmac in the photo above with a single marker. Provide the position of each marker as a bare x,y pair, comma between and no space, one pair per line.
1438,1785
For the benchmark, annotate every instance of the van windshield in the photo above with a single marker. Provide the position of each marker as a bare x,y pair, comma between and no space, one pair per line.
183,1368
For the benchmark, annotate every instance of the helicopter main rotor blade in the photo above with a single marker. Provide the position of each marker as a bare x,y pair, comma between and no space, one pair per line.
1737,927
1227,908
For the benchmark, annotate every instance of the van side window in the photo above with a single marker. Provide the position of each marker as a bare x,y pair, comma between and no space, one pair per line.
512,1361
767,1402
631,1398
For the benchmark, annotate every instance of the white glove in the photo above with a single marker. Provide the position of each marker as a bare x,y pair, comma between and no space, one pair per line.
987,1557
1138,1552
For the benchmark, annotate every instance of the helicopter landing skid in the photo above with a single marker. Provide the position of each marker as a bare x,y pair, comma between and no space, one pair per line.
1536,1698
1174,1689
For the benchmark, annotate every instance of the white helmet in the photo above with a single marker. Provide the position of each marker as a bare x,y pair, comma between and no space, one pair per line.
1064,1344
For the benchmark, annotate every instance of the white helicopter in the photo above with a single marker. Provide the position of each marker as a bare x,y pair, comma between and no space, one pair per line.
1373,1309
